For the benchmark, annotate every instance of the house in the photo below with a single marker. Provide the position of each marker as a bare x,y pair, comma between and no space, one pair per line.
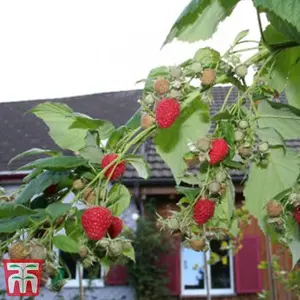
239,279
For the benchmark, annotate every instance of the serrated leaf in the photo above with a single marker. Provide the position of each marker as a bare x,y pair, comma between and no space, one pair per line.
240,36
283,118
13,224
33,174
292,90
134,121
59,118
273,36
56,210
14,210
271,136
223,115
288,10
208,57
200,19
140,165
280,174
91,152
172,143
105,128
190,193
56,163
73,226
66,244
129,252
190,179
39,184
35,151
119,199
116,136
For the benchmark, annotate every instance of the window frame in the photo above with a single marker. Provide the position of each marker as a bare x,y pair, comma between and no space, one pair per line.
213,292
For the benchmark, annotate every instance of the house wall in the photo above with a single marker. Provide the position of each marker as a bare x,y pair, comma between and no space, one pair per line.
167,203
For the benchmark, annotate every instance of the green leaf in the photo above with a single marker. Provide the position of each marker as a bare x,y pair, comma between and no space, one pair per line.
288,10
59,117
240,36
264,184
208,57
13,224
104,128
35,151
271,136
56,210
134,121
294,245
56,163
172,143
119,199
33,174
190,179
292,90
140,164
66,244
116,136
200,19
289,31
73,226
190,193
282,64
129,252
272,36
39,184
91,152
283,118
223,115
224,209
14,210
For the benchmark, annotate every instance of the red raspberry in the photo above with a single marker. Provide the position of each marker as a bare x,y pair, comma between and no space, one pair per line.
297,214
113,172
50,190
115,228
166,112
95,222
219,150
203,210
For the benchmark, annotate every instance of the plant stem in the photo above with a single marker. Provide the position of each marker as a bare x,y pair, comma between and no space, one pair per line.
244,50
208,296
80,283
260,27
270,269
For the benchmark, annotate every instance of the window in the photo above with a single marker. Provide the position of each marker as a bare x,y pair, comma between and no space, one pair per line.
92,276
220,276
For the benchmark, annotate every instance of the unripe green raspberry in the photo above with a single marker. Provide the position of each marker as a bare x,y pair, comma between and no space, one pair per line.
149,99
104,243
173,224
175,72
241,70
214,187
239,135
115,248
221,176
263,147
243,124
203,144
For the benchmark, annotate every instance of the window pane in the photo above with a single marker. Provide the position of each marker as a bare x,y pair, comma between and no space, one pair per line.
70,262
193,269
220,273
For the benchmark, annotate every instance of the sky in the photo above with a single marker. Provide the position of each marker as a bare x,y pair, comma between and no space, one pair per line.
62,48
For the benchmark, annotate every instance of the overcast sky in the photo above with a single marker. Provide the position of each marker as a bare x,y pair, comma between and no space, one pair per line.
61,48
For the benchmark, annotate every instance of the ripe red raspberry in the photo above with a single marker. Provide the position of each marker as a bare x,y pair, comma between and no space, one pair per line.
297,214
166,112
203,210
95,222
115,228
113,172
50,190
219,150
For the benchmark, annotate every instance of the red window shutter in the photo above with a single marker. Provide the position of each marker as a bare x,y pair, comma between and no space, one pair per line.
248,278
171,261
117,275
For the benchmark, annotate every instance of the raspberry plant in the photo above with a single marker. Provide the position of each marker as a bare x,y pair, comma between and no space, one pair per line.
247,135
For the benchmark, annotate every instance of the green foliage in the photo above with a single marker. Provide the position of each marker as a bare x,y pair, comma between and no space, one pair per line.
66,244
56,210
14,210
140,165
146,275
118,199
172,143
208,57
92,152
200,19
264,183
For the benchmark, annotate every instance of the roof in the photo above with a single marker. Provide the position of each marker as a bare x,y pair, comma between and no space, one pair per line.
21,131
